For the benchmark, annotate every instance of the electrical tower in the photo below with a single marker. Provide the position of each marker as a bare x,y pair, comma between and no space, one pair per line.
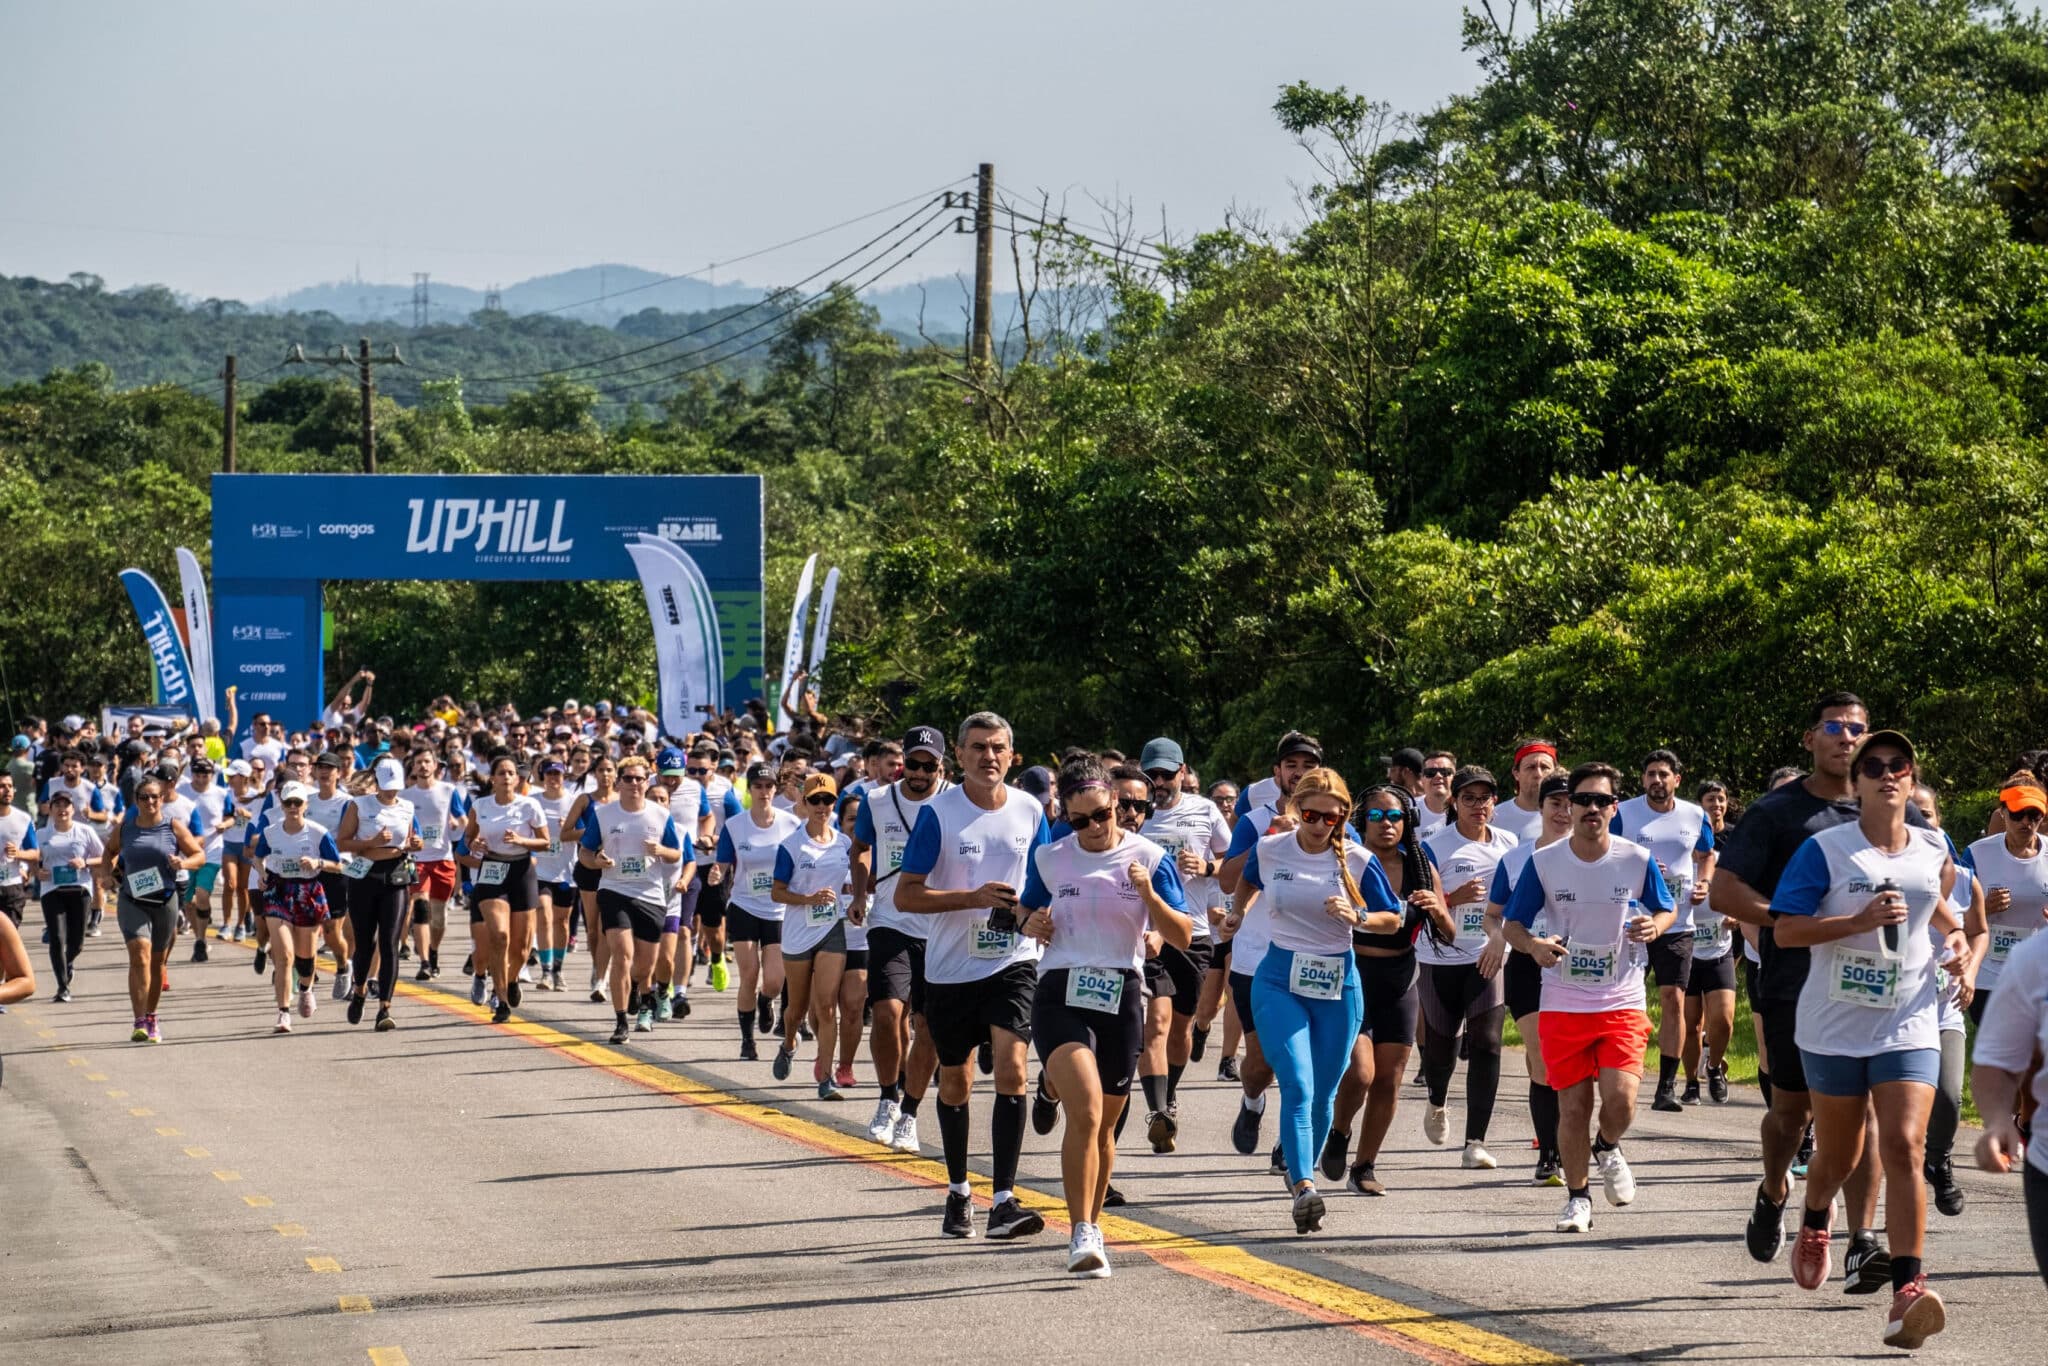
492,302
420,305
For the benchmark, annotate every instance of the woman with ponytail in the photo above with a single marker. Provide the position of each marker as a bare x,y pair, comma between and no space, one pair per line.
1312,887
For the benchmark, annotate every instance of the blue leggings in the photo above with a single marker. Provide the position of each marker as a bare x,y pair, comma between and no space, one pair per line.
1308,1045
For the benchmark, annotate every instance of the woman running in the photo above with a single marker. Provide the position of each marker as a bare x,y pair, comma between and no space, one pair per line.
746,850
554,869
1521,977
379,836
297,855
1710,991
66,850
624,842
1092,898
505,829
234,860
599,789
143,860
812,866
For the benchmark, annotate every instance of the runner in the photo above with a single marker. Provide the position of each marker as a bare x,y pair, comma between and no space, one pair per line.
1679,837
899,1039
378,835
2013,1033
1434,808
214,806
624,841
1710,986
600,789
142,860
296,853
812,865
1093,899
324,808
722,801
17,836
554,869
442,809
1868,1026
687,808
1456,996
746,849
1966,903
1603,901
966,860
1535,759
2015,877
504,829
65,851
234,851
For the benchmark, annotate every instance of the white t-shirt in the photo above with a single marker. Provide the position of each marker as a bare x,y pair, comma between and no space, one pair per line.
1262,792
2027,880
440,808
1459,860
1193,823
2015,1026
554,864
212,806
1525,826
496,821
624,836
58,850
1098,918
1588,905
272,752
373,815
1672,837
750,849
285,854
1294,885
1427,821
324,812
722,799
957,846
883,822
805,865
87,802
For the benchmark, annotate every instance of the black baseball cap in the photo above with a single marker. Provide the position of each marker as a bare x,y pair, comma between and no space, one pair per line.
1294,742
1556,785
1470,775
1409,758
926,738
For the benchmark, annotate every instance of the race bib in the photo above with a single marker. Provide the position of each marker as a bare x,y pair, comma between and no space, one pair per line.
1317,977
431,834
990,943
1095,989
895,858
1540,926
1472,923
633,865
1862,978
359,866
2004,939
491,874
64,876
1588,964
554,842
146,882
823,915
293,867
761,884
1710,934
10,872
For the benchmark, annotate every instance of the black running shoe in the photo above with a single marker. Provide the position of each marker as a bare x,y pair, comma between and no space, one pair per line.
784,1061
959,1221
1012,1220
1244,1131
1112,1198
469,966
748,1052
512,992
1199,1044
1277,1161
424,974
1766,1234
1948,1196
262,959
1868,1267
1364,1181
1335,1149
502,1013
620,1030
384,1021
1717,1084
355,1009
1227,1069
682,1006
1666,1100
1691,1094
199,949
1045,1111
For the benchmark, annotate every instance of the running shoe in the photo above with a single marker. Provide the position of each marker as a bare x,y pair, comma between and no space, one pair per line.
63,994
501,1015
284,1023
526,971
764,1015
1160,1131
720,978
1691,1094
784,1064
1436,1123
469,965
1112,1198
385,1024
140,1034
1476,1159
343,980
904,1140
554,979
150,1029
1948,1196
1085,1255
1244,1130
1765,1236
597,987
1917,1315
663,1010
1549,1170
1717,1084
1198,1044
424,974
434,967
512,993
1308,1210
748,1052
262,959
355,1009
1805,1157
1012,1220
959,1220
1616,1177
1667,1099
1227,1069
682,1012
1577,1215
1364,1180
1276,1161
307,1005
1867,1267
803,1030
1336,1148
620,1030
571,947
479,988
884,1122
827,1091
643,1023
842,1076
1811,1263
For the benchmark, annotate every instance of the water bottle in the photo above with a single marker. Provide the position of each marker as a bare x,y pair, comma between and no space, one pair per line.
1888,935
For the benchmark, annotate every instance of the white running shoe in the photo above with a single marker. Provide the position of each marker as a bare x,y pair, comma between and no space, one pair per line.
1577,1216
284,1022
904,1140
883,1125
526,972
1436,1123
342,984
1476,1158
1085,1255
1615,1175
307,1005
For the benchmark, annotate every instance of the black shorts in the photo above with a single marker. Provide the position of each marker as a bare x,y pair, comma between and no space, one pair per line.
711,900
895,968
1781,1041
1390,985
742,926
1219,955
1177,973
856,960
561,894
586,879
1114,1039
1671,959
520,890
1979,1003
833,942
1712,974
1522,981
1752,982
962,1014
14,901
617,911
336,887
1241,997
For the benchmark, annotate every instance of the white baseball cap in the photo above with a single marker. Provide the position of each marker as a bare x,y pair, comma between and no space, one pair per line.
240,769
294,792
390,775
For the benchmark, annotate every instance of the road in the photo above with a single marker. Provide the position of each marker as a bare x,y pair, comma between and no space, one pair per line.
452,1191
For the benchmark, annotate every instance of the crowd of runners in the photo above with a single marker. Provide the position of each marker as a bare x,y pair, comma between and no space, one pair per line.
960,912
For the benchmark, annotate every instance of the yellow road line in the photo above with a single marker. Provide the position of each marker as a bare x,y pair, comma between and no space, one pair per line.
324,1265
257,1201
290,1230
117,1095
354,1304
227,1176
75,1061
171,1132
140,1111
197,1152
388,1356
95,1076
1416,1331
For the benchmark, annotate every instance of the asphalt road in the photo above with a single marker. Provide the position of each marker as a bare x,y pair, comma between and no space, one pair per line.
451,1191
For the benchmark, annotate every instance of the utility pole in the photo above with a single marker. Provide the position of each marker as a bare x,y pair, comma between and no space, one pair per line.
983,351
362,360
227,419
420,306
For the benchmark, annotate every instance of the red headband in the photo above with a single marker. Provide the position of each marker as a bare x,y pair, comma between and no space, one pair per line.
1533,747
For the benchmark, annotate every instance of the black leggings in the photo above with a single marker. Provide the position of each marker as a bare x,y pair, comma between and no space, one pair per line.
378,908
2037,1216
64,910
1456,998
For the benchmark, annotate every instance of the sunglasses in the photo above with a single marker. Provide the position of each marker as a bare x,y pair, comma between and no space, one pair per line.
1375,814
1436,772
1331,818
698,772
1161,777
1134,804
1603,800
2025,813
1100,815
1875,767
1852,729
632,777
820,799
916,766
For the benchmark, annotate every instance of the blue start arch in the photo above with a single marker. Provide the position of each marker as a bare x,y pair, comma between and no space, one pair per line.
277,538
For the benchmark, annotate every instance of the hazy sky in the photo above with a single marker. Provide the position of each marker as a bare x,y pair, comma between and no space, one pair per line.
240,149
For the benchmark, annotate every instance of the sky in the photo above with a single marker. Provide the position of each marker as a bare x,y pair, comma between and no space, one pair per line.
235,149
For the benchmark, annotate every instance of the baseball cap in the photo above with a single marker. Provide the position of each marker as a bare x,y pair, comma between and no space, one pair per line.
19,742
553,766
1037,780
1895,738
328,759
604,709
202,765
390,775
60,795
727,759
1160,754
1556,785
672,762
1472,775
1294,742
1409,758
925,739
820,782
239,768
293,792
73,722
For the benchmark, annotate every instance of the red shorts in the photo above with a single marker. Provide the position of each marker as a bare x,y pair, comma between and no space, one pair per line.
1576,1047
436,880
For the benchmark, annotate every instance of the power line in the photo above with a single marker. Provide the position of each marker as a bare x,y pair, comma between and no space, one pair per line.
1139,250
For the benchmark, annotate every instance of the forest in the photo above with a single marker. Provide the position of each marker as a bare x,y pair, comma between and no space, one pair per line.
1691,363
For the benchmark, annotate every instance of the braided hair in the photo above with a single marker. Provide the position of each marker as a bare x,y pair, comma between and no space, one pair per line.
1327,782
1417,873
